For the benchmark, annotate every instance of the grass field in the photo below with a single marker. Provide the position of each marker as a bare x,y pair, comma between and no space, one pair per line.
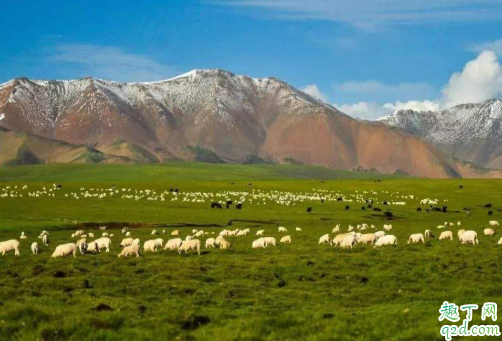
302,291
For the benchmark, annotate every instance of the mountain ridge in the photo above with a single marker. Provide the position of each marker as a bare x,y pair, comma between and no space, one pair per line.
216,114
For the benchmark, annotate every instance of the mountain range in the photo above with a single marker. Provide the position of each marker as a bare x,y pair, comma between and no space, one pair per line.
471,132
214,116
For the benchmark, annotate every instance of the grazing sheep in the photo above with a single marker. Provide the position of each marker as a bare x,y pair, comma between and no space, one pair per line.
324,239
386,240
103,243
368,238
387,227
173,244
150,245
199,233
260,232
102,228
379,234
282,229
9,245
298,229
269,240
82,245
45,239
416,238
91,235
154,232
210,242
131,250
446,235
337,241
188,238
128,234
259,243
493,223
243,232
224,244
193,244
348,241
104,234
469,237
34,248
336,229
500,241
460,232
429,234
126,242
65,250
175,233
23,236
489,232
286,240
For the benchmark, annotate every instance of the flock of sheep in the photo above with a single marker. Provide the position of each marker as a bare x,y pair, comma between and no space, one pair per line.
132,246
380,238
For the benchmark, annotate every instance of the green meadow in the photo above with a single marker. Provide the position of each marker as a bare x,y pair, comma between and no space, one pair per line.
300,291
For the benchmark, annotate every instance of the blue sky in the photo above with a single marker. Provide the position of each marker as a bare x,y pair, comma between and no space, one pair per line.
362,51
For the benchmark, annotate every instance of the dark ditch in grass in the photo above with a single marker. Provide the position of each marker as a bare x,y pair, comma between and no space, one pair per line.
114,225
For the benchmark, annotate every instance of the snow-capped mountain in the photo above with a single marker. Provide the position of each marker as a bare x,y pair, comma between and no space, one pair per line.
471,132
210,115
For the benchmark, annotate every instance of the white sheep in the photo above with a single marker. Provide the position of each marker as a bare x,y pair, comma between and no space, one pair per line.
210,242
298,229
324,239
23,236
489,232
224,244
348,241
416,238
126,242
269,240
260,232
282,229
150,246
193,244
103,243
173,244
286,240
493,223
368,238
379,234
82,245
387,227
131,250
65,250
9,245
34,248
45,239
446,235
259,243
175,233
386,240
336,229
469,237
460,232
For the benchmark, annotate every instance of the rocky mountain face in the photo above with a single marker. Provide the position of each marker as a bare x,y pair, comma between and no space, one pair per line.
205,115
471,132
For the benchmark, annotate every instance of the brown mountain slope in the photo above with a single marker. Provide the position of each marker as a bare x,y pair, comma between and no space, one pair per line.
211,115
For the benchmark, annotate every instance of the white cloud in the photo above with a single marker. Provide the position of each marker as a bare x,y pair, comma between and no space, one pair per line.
495,46
314,91
373,111
364,110
110,62
367,13
481,79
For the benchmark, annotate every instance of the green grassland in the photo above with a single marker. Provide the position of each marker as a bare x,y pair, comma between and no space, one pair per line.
302,291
